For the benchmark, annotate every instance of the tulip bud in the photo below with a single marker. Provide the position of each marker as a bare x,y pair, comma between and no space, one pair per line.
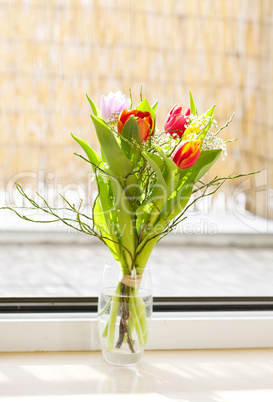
185,155
177,120
144,120
112,104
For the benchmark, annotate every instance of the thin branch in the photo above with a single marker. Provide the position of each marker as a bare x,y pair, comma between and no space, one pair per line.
226,124
217,179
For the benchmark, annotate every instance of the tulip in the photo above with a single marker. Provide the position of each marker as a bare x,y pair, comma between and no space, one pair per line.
177,120
112,104
185,155
144,120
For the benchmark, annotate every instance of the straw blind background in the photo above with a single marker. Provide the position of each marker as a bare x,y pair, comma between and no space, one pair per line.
53,52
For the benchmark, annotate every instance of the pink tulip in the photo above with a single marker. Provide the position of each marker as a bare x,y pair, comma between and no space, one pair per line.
177,120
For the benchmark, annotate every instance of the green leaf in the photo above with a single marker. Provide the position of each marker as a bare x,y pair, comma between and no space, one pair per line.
205,162
124,215
103,210
170,174
203,133
192,105
210,111
146,246
103,226
171,166
156,164
144,106
148,212
158,160
119,164
176,202
154,106
95,109
179,199
131,135
91,154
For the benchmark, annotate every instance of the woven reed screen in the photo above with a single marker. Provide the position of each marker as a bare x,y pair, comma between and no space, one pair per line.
53,52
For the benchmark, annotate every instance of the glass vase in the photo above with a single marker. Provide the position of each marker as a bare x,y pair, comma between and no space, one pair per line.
124,314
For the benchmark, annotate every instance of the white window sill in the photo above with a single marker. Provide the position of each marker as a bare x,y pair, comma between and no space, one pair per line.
203,375
79,332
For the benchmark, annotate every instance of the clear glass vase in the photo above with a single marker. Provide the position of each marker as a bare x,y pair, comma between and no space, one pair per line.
124,314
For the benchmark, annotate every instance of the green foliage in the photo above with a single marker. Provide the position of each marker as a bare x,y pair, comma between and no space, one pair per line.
119,165
145,107
192,105
130,138
95,109
154,106
93,157
141,193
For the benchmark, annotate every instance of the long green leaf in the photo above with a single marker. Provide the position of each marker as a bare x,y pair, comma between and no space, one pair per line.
130,135
91,154
95,109
119,164
171,170
104,225
154,106
192,105
210,111
179,199
176,202
148,212
125,215
205,162
103,210
204,132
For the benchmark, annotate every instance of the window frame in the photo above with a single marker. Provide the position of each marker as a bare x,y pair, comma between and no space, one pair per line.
70,324
9,305
46,323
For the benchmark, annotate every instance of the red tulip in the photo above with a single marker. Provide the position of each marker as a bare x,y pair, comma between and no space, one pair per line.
144,120
185,155
177,120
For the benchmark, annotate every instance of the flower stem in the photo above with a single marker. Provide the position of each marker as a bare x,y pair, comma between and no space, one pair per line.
115,306
123,326
136,321
141,313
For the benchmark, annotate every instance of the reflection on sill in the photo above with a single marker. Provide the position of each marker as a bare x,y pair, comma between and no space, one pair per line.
233,375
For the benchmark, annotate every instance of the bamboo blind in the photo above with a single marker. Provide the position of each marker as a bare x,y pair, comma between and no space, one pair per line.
52,52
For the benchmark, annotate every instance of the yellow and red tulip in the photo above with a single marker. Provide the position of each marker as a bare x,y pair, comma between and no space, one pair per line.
185,155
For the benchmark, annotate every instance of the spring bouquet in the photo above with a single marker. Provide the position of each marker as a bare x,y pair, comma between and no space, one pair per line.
146,180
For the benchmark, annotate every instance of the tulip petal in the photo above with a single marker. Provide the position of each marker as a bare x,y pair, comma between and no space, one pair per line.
144,106
113,103
185,155
144,129
125,105
176,120
105,108
144,120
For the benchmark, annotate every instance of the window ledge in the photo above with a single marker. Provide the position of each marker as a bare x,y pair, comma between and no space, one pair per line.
79,331
208,375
